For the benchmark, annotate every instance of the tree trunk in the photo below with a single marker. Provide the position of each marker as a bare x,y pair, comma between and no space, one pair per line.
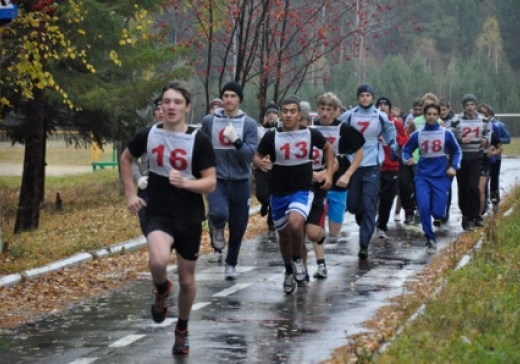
28,214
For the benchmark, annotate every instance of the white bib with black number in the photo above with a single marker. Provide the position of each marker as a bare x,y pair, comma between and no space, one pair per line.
169,150
431,143
292,147
217,132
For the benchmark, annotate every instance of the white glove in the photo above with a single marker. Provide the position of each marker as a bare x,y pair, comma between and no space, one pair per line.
142,182
230,133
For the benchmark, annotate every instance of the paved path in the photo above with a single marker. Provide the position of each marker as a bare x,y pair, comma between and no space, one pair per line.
7,169
249,320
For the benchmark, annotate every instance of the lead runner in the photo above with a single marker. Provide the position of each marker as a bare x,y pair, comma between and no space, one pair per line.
182,168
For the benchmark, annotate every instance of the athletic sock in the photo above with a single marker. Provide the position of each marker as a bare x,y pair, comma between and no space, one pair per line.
295,258
320,261
288,269
162,288
182,325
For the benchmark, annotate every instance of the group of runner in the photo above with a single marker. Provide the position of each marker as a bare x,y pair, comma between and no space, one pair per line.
307,171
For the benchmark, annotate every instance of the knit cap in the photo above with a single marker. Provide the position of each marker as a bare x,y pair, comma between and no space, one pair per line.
467,98
235,87
365,88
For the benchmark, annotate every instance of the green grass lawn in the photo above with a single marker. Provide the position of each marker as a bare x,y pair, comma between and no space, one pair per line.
476,316
513,148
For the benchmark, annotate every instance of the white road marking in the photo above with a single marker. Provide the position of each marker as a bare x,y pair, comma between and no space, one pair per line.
231,290
220,269
125,341
199,305
84,361
167,322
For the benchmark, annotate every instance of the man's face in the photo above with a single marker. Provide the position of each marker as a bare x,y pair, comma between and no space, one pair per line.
445,110
470,108
431,115
384,107
483,112
291,115
231,101
365,99
417,110
396,114
174,107
327,113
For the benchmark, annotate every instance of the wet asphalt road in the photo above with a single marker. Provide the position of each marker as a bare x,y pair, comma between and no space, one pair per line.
249,320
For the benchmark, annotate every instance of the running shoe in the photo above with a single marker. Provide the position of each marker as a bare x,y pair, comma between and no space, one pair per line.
271,234
216,257
321,272
431,246
416,218
478,222
181,345
363,253
160,304
437,222
230,272
495,199
305,282
408,219
332,239
289,284
299,271
381,233
219,240
397,216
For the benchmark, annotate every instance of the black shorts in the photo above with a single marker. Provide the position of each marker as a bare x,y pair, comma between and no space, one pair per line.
186,237
318,212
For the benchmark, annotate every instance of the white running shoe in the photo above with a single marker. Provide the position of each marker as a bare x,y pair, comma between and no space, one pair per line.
321,272
381,233
230,272
219,240
300,273
289,284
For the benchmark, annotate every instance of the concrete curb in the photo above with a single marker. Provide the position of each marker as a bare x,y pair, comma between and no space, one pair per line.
120,248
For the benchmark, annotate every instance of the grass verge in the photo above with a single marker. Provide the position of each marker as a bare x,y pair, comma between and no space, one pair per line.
94,216
476,316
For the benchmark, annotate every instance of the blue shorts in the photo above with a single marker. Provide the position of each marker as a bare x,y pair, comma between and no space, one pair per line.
300,202
337,203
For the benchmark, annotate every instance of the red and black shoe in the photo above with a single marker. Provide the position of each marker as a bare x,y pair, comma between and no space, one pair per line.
160,304
181,345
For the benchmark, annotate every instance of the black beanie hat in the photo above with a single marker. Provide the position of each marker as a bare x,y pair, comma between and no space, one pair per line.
365,88
384,100
235,87
271,107
467,98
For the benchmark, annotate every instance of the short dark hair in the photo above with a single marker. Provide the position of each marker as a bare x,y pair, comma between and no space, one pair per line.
429,106
290,100
180,87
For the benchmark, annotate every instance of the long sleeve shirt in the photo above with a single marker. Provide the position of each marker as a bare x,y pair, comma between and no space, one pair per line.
372,124
234,161
435,143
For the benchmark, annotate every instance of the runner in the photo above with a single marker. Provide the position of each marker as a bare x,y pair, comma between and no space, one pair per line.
332,202
432,181
447,116
290,161
364,185
262,178
182,168
389,171
235,137
473,133
140,168
495,162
